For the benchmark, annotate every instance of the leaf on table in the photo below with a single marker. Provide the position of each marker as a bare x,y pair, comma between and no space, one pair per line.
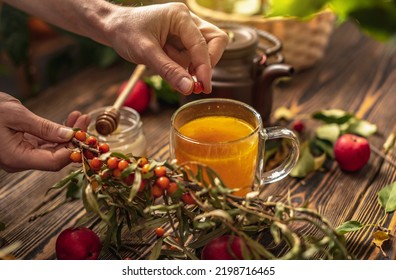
329,132
349,226
283,113
319,161
361,127
387,197
305,164
325,146
389,143
379,237
333,116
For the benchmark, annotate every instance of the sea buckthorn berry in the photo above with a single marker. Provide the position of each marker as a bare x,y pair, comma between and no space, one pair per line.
142,161
123,164
96,164
129,179
92,141
198,87
117,173
160,171
80,135
163,182
172,189
143,185
112,163
106,174
104,148
188,199
76,156
88,154
94,185
156,191
159,231
146,168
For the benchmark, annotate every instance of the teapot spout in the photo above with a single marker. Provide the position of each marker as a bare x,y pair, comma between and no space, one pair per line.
263,96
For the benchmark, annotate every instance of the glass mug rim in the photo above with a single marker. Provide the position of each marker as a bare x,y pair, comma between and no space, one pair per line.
258,127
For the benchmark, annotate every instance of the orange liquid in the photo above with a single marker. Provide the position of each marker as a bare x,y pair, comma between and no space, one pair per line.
224,146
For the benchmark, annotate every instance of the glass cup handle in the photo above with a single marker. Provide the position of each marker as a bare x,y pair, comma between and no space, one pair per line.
288,164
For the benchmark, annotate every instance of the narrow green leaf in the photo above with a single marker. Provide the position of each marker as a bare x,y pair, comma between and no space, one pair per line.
387,197
65,180
93,203
205,238
135,186
349,226
156,250
218,213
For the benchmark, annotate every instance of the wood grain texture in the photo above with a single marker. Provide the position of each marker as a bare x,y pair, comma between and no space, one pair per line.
357,74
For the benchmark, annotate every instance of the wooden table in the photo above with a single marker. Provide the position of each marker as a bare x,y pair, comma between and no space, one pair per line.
357,74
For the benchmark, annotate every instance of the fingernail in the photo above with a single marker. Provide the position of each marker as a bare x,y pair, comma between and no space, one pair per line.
66,133
185,85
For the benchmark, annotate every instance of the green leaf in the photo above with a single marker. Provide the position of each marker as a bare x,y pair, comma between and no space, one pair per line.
65,180
387,197
156,250
325,146
163,91
329,132
332,116
349,226
74,191
135,186
361,127
305,164
297,8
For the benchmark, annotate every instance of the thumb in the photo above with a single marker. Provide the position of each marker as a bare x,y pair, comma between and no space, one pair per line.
43,128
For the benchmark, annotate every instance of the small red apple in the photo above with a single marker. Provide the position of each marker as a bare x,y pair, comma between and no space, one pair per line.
79,243
219,248
352,152
139,97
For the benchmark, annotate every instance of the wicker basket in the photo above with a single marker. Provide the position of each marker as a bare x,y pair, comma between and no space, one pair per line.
304,42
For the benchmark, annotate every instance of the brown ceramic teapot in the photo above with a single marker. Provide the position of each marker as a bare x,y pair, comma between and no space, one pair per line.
247,69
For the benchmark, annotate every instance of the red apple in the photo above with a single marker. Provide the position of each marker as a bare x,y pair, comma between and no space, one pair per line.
220,248
139,97
79,243
352,152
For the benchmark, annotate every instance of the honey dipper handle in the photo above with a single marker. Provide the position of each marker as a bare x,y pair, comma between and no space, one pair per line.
137,73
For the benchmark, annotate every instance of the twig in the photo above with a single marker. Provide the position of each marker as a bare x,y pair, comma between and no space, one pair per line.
383,155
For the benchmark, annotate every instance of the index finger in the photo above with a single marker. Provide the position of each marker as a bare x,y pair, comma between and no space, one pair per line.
197,47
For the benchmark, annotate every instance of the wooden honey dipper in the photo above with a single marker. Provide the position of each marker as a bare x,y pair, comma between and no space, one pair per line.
107,122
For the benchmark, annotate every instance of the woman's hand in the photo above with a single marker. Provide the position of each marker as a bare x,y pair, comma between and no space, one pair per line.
170,40
31,142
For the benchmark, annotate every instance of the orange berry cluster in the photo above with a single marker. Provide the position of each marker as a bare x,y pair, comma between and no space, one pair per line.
122,169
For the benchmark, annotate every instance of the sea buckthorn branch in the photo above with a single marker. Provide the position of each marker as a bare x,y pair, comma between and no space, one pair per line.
138,195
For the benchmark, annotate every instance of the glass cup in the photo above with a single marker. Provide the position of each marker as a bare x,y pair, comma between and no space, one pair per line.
229,137
128,137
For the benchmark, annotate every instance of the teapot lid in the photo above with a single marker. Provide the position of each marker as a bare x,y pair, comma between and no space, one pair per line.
243,40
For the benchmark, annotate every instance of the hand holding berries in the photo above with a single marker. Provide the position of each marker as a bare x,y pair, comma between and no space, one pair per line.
32,142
